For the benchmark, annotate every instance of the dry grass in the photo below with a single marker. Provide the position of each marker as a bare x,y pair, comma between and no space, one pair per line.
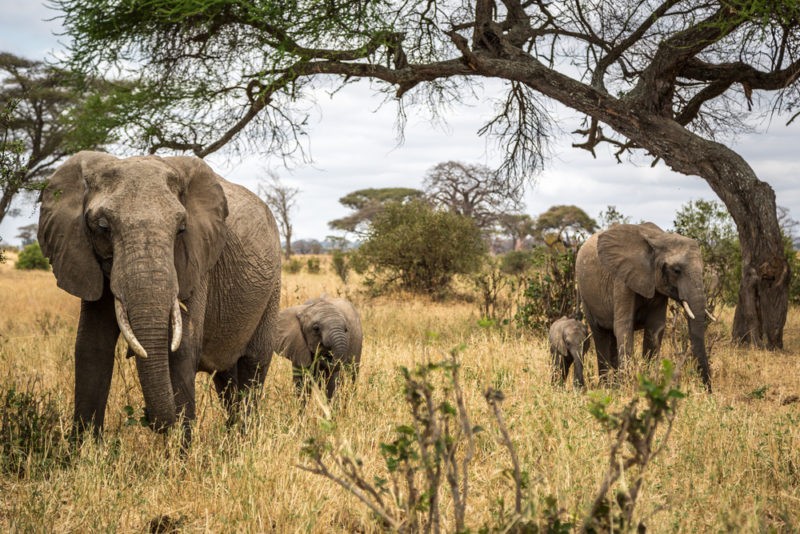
733,461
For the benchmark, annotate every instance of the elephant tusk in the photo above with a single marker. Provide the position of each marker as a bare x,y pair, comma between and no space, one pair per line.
125,328
177,326
688,309
713,319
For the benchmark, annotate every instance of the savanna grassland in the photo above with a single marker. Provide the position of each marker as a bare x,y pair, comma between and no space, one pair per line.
732,462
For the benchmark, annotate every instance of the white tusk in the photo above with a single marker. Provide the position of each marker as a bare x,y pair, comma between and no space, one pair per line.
183,306
177,326
125,328
688,309
713,319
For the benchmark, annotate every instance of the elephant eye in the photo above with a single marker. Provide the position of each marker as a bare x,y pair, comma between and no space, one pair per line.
676,270
315,327
102,223
182,227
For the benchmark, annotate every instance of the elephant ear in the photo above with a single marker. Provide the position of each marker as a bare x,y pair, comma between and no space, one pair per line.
625,251
63,235
199,247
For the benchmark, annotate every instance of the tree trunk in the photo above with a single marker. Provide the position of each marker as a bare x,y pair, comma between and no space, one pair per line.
764,289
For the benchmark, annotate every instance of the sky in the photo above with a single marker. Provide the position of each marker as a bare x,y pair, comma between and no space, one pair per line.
353,145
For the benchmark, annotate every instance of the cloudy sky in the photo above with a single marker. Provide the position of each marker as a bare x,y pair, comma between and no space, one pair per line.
353,144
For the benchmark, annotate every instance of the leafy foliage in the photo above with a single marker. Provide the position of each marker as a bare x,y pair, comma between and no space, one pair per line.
367,204
31,257
340,264
49,113
569,225
431,454
31,439
550,291
635,445
709,223
420,249
610,216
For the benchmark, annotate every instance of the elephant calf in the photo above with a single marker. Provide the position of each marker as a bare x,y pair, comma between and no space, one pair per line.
321,338
569,341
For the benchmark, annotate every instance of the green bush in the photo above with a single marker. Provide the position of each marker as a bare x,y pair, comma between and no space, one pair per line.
417,248
550,292
312,265
31,257
340,265
292,266
517,262
31,440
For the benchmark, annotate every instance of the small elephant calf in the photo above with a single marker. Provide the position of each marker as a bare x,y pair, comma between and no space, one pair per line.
321,338
569,341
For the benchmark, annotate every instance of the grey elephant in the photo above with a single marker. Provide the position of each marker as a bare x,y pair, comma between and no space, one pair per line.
625,275
322,338
569,342
183,263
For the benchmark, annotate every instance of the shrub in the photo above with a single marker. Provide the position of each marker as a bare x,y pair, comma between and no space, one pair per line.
517,262
312,265
550,292
420,249
31,257
292,266
31,439
340,265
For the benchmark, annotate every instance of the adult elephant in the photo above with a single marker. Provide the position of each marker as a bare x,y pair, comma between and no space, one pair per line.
625,276
183,263
322,338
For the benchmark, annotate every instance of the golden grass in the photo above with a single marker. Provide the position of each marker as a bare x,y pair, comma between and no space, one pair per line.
732,463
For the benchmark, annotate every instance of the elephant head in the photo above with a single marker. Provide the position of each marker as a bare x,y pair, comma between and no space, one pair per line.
147,229
569,342
331,346
650,261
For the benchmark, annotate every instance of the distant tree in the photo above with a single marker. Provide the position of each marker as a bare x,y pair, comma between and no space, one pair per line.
307,246
517,226
27,233
49,114
281,200
419,248
474,191
569,225
368,204
611,216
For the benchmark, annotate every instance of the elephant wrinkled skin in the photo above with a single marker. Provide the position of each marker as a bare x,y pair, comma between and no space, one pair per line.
625,276
569,342
183,263
323,338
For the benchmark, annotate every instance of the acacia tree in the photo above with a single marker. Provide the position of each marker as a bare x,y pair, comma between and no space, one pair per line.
661,76
474,191
281,200
50,113
367,204
568,224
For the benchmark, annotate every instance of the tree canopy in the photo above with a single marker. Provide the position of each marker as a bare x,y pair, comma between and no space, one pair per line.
669,77
367,204
568,224
474,191
49,113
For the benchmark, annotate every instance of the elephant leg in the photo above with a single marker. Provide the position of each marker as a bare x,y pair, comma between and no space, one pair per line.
555,365
654,333
605,344
94,363
226,384
566,362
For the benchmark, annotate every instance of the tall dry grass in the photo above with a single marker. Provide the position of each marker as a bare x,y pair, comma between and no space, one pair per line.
732,462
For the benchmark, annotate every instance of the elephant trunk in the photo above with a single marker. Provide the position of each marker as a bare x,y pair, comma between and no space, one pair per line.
697,335
577,365
340,353
146,305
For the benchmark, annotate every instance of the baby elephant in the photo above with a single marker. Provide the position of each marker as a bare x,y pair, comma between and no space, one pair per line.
569,341
321,337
